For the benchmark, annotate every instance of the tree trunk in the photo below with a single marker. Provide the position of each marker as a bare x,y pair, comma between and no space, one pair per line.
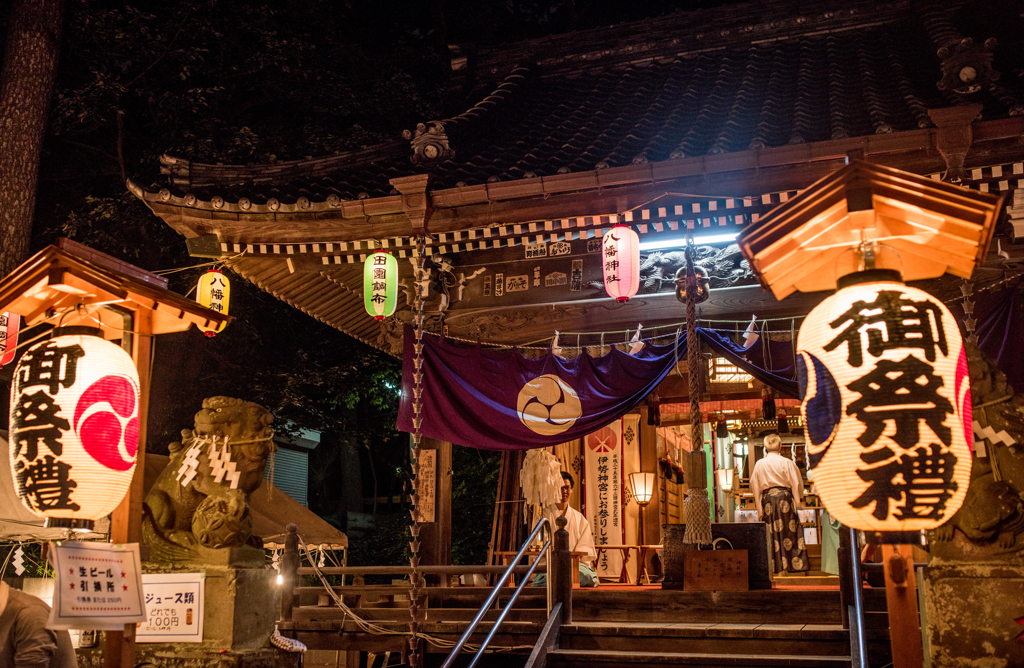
26,86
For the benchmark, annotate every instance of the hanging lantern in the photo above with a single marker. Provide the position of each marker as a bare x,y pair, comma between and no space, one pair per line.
380,284
886,404
9,326
74,427
621,262
214,292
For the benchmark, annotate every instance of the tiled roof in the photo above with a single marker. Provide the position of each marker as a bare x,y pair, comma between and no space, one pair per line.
760,75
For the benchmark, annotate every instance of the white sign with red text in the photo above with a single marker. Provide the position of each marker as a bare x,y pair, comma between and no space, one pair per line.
98,586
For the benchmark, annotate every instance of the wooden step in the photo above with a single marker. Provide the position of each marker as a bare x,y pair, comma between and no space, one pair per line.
608,659
722,639
780,606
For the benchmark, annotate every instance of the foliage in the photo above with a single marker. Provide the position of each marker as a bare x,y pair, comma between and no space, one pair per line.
474,487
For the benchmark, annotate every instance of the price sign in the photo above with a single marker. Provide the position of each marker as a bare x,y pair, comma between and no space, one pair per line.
174,608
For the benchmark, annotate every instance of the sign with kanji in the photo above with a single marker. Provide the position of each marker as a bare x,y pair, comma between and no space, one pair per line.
174,608
602,482
97,586
887,406
380,284
427,484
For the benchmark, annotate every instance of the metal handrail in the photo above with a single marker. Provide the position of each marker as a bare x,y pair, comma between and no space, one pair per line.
494,596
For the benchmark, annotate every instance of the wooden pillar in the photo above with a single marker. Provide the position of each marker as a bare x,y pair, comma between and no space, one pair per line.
561,570
290,560
649,463
436,536
901,599
126,520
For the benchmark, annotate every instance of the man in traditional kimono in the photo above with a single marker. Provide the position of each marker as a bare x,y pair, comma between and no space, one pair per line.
778,492
581,539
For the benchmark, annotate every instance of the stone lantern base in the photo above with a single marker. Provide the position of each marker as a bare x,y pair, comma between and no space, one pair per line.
972,611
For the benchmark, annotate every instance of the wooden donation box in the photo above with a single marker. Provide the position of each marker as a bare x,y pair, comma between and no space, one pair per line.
749,539
715,570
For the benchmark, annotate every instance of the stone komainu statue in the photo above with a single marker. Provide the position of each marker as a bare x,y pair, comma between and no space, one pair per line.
990,523
201,500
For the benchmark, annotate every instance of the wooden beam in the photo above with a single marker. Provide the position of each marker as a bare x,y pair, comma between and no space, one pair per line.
901,600
126,520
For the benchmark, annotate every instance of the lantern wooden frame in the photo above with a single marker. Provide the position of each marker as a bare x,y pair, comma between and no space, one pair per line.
929,227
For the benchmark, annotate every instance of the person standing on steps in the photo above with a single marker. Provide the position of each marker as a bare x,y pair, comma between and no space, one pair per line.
778,492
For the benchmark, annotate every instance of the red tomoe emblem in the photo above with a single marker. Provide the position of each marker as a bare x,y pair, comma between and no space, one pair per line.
602,440
102,431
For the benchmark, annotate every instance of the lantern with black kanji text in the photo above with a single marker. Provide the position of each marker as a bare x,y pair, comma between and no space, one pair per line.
380,284
621,251
214,292
74,429
886,404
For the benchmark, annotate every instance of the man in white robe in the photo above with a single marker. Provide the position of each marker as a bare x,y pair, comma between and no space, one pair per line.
581,538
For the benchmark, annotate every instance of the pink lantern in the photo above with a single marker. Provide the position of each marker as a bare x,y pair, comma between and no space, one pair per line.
621,250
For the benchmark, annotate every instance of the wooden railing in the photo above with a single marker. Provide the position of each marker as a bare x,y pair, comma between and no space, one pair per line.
437,577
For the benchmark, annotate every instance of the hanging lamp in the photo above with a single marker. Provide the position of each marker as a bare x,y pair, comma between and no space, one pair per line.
380,284
214,292
621,251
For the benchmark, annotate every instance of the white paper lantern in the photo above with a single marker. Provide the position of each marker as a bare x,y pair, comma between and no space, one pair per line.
621,249
214,292
886,405
74,427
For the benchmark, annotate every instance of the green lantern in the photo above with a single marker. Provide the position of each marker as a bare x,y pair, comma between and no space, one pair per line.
380,284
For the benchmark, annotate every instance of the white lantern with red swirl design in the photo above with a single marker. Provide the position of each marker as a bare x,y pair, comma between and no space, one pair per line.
74,430
621,251
886,404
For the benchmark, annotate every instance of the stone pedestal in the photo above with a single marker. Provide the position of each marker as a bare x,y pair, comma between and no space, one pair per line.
240,609
240,604
971,612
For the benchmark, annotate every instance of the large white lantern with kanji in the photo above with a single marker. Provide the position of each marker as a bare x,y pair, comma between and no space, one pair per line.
886,404
380,284
621,250
214,292
74,430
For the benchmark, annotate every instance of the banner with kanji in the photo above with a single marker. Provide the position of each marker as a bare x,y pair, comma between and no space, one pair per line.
602,460
98,586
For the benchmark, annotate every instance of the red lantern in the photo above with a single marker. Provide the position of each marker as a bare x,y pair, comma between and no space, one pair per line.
621,251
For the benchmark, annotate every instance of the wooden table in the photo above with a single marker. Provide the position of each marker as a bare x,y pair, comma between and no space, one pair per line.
642,576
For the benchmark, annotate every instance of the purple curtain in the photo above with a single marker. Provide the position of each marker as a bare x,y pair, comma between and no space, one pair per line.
1000,330
499,400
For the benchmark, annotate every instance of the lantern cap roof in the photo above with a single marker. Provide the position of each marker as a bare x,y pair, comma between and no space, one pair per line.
59,278
918,226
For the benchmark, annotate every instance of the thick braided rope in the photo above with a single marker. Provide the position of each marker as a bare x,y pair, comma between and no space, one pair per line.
415,577
696,505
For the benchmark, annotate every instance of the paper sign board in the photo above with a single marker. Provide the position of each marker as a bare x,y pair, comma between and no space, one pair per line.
98,586
174,608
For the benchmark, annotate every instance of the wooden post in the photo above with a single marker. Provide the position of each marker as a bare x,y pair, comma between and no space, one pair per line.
649,462
436,536
846,584
561,570
289,572
126,520
901,600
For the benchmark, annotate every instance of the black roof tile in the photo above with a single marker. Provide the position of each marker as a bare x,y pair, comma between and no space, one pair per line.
750,76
